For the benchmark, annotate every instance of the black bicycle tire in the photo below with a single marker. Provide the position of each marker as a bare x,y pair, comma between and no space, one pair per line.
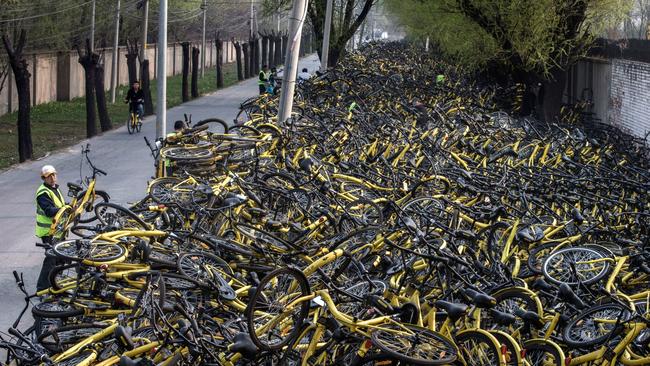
603,272
56,249
132,215
469,334
218,121
448,345
105,197
52,346
575,344
40,310
304,308
530,346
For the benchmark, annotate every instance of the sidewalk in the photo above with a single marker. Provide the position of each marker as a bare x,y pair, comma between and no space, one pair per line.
128,162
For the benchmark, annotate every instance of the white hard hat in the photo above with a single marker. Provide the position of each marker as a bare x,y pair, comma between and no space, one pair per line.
47,170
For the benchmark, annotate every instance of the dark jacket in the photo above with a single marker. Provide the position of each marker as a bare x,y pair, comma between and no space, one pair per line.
46,204
135,96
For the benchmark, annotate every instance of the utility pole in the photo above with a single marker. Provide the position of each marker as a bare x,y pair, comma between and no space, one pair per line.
204,6
426,45
145,25
161,80
251,20
326,36
298,14
92,28
116,43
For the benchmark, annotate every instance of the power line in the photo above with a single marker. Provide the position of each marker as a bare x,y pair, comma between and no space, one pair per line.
44,15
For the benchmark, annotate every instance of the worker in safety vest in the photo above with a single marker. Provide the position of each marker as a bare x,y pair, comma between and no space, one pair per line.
263,81
48,202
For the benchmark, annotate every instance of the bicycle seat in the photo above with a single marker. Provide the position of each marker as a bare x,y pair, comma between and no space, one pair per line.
530,318
480,299
540,284
566,293
502,318
123,336
530,234
453,310
74,187
244,345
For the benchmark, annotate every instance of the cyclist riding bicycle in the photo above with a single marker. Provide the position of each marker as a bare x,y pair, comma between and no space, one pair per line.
135,98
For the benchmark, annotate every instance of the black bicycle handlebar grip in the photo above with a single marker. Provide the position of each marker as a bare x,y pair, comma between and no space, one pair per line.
101,172
16,277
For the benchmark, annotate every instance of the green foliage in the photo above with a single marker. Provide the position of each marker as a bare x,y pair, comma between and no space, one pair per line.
532,36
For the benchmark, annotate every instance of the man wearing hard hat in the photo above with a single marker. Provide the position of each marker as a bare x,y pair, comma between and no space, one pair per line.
48,202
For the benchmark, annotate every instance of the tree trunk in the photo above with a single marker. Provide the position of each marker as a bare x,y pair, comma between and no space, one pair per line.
89,62
553,91
132,66
277,61
21,75
104,119
186,70
285,43
240,75
271,56
145,84
219,63
247,60
256,56
195,72
265,49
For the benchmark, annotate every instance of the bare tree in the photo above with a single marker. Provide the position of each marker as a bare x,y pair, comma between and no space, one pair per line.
186,70
88,61
19,67
195,72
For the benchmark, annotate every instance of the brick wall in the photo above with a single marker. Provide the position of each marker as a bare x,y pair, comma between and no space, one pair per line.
629,101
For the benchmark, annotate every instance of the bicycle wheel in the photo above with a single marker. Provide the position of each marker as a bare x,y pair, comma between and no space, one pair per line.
594,326
415,345
94,251
271,324
219,125
479,348
117,217
56,309
171,191
576,265
539,352
90,215
130,125
360,213
203,267
59,339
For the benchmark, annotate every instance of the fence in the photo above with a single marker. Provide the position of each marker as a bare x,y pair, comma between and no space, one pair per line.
57,76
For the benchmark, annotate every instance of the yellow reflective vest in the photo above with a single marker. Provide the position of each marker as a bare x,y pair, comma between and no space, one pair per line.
43,222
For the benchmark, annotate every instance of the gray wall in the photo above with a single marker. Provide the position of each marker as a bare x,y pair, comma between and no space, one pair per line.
619,90
59,76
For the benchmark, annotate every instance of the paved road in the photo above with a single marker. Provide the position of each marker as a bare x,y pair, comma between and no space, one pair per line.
129,164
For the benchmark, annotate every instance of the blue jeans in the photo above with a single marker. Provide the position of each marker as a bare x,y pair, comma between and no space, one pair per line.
138,108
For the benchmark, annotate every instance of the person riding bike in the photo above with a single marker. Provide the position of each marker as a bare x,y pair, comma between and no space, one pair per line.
135,98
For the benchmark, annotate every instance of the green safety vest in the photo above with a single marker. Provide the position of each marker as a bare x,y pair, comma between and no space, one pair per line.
43,223
440,79
264,75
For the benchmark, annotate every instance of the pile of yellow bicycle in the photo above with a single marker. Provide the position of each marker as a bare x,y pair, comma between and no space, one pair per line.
392,220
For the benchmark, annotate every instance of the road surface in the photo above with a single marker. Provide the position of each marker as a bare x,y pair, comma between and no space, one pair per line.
129,164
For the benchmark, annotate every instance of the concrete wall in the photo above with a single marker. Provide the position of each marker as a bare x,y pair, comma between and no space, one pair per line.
59,76
630,96
619,90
